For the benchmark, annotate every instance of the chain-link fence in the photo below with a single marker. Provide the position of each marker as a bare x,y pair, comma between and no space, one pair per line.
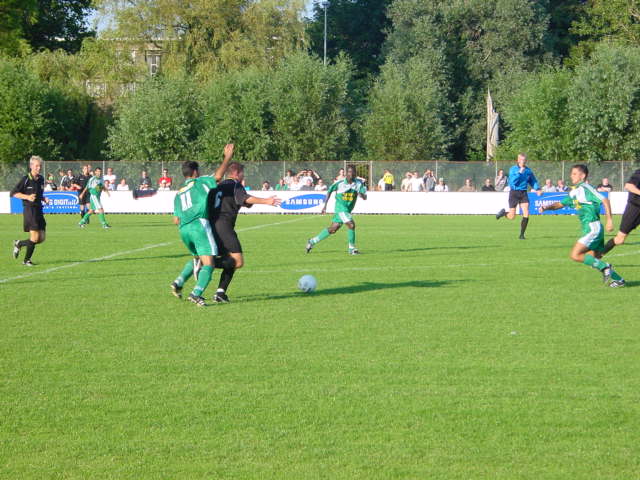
453,173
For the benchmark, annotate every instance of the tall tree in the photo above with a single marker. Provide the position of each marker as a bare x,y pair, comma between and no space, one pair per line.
14,14
204,37
356,27
59,24
483,43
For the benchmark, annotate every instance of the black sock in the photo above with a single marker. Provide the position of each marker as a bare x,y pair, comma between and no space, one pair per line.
23,243
30,248
225,278
523,225
609,246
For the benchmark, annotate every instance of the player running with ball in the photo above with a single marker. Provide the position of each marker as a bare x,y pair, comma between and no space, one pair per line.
347,192
587,202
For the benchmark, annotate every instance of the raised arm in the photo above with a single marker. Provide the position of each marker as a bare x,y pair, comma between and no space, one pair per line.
228,155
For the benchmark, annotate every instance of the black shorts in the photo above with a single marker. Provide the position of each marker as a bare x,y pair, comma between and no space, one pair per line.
516,197
630,218
83,199
226,238
33,219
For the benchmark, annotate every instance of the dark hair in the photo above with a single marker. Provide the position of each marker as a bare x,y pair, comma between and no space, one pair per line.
188,167
351,166
582,167
235,167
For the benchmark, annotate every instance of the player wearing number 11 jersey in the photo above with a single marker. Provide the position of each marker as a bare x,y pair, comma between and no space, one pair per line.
347,192
191,214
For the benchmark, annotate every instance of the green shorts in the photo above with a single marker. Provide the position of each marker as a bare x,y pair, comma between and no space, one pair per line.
198,237
94,201
342,217
593,237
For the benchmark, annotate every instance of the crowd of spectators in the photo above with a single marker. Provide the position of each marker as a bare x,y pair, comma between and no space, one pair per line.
310,180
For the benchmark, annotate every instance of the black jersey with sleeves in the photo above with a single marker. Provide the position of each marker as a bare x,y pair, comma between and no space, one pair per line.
635,180
29,185
228,197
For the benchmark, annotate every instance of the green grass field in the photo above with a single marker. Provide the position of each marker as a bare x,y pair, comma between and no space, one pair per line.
448,350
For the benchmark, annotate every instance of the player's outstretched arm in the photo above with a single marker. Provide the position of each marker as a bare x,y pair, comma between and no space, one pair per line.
607,211
275,201
553,206
228,155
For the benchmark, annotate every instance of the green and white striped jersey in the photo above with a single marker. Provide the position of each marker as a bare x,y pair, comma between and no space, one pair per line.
95,186
191,200
587,201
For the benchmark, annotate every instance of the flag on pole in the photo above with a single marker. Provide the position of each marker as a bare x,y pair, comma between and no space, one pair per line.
493,128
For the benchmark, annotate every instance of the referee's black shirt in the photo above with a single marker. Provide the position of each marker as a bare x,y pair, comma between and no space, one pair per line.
29,185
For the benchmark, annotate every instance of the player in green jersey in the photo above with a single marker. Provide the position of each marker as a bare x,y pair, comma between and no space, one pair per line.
191,214
95,186
587,201
347,192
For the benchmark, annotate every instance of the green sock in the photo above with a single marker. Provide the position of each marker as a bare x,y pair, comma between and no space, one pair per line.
186,273
321,236
593,262
85,219
351,237
615,275
204,277
102,219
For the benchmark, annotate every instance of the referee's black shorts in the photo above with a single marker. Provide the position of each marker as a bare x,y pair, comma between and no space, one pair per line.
33,219
630,218
84,199
516,197
226,238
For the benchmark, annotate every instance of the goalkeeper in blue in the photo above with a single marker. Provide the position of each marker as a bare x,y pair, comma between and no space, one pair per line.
587,202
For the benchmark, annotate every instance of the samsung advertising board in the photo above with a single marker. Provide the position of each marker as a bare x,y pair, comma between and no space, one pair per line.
303,202
59,202
535,202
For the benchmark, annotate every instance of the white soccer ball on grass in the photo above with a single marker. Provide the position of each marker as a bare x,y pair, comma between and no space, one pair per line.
307,283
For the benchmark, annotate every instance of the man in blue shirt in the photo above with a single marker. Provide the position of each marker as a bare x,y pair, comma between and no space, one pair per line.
520,177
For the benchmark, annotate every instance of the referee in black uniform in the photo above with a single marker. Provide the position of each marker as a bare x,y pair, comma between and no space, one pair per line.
225,203
30,190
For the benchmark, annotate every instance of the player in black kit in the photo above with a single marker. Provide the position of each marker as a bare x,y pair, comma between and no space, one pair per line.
225,203
30,190
80,182
631,215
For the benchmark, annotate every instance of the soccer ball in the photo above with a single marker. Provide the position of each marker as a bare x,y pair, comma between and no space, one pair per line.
307,283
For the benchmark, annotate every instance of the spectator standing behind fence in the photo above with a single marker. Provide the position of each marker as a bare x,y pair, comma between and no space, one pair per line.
295,185
122,186
308,186
428,181
289,177
548,186
165,178
416,183
145,181
388,180
67,181
266,186
467,187
405,186
321,186
500,181
281,185
441,186
163,187
110,176
50,184
605,186
561,187
487,187
340,176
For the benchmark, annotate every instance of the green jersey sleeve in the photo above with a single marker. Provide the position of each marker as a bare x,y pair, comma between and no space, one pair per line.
567,201
209,181
333,188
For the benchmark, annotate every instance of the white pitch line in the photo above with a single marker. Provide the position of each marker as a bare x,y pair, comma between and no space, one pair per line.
128,252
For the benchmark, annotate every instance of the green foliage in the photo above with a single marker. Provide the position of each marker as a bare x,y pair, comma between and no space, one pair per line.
355,27
14,14
408,114
236,110
37,117
58,24
208,36
604,104
160,121
308,103
537,117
